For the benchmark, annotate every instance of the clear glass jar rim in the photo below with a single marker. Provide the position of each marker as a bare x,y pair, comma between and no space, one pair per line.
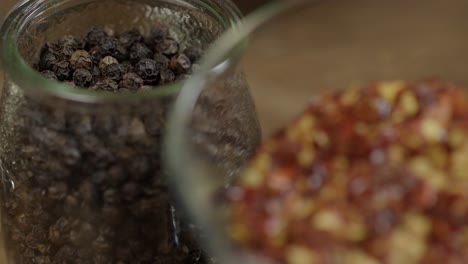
22,74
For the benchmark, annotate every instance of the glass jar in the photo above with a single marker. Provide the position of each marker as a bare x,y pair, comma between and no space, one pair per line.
297,51
81,172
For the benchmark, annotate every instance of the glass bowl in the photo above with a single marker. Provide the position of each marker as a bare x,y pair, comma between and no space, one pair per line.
296,50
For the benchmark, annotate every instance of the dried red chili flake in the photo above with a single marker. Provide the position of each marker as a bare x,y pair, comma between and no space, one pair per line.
374,174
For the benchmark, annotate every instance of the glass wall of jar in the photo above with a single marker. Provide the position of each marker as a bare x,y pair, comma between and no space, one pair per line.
81,173
302,54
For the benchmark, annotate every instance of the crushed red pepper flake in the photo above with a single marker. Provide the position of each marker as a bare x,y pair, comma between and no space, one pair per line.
369,175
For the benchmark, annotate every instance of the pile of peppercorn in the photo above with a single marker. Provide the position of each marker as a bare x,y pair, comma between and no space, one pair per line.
123,62
368,175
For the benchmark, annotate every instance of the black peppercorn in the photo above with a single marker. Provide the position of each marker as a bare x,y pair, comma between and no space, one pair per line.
160,58
130,191
180,64
111,47
62,70
96,72
96,54
49,47
47,60
95,36
64,52
140,166
122,54
81,59
138,52
128,66
193,53
148,70
105,84
110,196
57,191
104,62
131,81
166,76
129,38
169,47
82,77
114,71
49,75
64,254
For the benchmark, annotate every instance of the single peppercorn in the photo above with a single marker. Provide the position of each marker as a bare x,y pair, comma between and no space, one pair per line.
111,47
160,58
122,54
169,47
81,59
113,71
180,64
129,38
49,47
62,70
57,191
95,36
47,60
82,77
105,84
139,51
49,75
131,81
148,70
166,76
106,61
96,71
96,54
64,52
128,66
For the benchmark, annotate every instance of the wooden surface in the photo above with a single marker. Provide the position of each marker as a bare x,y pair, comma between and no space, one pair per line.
338,43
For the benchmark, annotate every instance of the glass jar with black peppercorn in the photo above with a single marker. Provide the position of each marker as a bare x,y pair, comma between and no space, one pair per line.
86,90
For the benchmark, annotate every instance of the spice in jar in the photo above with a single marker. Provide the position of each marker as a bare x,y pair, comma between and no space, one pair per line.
374,174
87,186
111,57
